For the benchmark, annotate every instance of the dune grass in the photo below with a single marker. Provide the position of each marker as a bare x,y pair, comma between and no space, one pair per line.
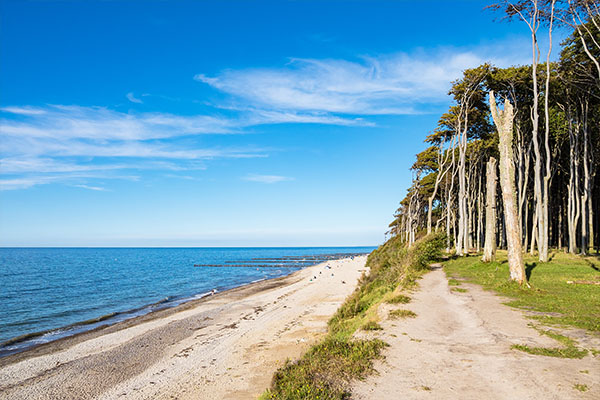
396,314
399,299
325,371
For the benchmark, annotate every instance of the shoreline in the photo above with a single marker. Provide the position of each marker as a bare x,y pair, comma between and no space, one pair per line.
27,341
221,346
193,301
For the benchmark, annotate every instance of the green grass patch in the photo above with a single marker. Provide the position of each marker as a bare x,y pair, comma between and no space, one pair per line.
453,282
560,352
556,301
580,387
325,371
399,299
395,314
371,326
568,351
459,290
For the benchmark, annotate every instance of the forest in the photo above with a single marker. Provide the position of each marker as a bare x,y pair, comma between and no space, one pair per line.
544,142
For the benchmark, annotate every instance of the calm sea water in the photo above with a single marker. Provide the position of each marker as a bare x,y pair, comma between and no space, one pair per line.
61,291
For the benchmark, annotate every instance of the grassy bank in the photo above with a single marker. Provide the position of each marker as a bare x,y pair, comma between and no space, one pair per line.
325,371
563,291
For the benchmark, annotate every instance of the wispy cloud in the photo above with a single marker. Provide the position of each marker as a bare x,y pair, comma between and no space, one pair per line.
94,188
398,83
130,96
73,144
266,178
66,144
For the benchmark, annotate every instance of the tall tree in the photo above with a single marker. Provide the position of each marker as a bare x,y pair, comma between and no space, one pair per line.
503,119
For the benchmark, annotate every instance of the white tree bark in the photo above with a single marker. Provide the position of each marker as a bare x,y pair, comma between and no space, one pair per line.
489,248
504,123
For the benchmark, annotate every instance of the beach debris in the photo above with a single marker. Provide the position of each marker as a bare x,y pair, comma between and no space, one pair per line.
343,281
286,261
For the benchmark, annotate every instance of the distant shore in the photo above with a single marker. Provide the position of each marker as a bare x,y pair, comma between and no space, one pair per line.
227,344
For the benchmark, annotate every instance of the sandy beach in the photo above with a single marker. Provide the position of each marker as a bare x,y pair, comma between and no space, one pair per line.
226,346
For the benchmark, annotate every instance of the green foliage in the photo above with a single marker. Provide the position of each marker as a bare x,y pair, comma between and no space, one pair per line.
427,251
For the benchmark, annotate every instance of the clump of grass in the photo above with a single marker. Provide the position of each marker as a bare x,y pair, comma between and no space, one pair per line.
581,387
453,282
324,371
371,326
459,290
568,351
395,314
399,299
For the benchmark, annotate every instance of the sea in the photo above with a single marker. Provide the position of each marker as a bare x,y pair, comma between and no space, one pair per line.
50,293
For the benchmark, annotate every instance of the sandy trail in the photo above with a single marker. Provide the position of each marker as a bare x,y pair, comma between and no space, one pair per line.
226,347
458,347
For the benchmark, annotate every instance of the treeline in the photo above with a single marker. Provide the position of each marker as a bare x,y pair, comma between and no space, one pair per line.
555,141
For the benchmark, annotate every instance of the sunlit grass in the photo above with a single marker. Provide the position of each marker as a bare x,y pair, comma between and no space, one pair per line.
557,301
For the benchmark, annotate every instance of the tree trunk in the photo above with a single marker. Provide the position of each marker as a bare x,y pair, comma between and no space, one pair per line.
504,123
489,249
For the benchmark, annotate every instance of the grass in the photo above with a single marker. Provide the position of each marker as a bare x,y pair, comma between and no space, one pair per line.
402,314
399,299
459,290
325,371
321,372
569,349
581,387
556,301
453,282
371,326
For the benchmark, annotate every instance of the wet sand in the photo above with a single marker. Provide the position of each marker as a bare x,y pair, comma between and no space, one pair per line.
226,346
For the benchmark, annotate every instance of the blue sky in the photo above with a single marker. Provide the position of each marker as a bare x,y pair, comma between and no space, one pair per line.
224,123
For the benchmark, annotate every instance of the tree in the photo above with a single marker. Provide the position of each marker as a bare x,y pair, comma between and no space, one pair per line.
503,119
489,249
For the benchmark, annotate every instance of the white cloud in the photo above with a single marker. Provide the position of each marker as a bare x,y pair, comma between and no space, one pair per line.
66,143
94,188
22,110
266,178
130,96
387,84
57,143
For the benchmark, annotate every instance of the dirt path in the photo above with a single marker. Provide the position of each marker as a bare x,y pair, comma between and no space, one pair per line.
458,347
226,347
